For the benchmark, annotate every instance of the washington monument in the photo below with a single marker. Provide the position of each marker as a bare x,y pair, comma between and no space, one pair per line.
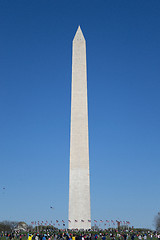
79,181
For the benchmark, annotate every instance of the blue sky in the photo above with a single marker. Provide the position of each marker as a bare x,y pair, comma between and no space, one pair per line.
123,63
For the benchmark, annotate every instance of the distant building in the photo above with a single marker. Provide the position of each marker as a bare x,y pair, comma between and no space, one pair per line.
21,227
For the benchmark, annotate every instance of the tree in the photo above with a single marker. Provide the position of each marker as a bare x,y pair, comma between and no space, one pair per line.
157,222
7,226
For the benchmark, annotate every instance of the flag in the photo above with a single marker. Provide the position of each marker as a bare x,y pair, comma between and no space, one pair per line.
89,220
107,221
101,220
63,221
69,220
95,220
57,221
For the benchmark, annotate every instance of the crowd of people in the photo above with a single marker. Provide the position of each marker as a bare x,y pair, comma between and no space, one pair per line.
111,234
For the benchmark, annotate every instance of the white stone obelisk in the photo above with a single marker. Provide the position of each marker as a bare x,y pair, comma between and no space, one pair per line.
79,182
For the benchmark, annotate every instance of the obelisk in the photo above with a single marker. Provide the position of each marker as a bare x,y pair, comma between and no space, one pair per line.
79,179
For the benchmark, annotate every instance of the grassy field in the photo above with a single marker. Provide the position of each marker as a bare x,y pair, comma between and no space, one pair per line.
99,238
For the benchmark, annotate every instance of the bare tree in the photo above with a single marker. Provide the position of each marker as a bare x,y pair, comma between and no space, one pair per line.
157,222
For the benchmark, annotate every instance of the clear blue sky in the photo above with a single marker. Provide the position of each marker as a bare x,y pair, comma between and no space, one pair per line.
123,56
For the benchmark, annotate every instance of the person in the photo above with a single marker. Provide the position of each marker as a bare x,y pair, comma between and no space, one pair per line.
103,237
61,237
30,236
132,237
92,237
124,236
73,237
96,236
